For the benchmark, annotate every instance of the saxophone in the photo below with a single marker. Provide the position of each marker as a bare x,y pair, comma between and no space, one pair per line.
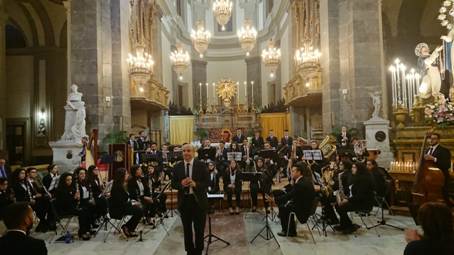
340,196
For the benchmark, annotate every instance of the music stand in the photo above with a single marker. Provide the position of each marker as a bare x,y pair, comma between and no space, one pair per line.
268,232
212,237
237,156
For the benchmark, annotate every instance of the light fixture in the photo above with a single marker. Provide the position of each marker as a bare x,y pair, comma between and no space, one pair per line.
200,38
271,57
247,36
180,60
307,56
222,10
140,62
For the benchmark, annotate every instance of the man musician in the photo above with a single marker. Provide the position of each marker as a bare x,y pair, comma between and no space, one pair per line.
191,179
206,152
441,157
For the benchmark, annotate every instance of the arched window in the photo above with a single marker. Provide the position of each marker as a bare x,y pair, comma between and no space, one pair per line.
14,37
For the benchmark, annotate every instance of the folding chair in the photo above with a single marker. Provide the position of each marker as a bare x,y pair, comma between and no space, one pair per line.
313,212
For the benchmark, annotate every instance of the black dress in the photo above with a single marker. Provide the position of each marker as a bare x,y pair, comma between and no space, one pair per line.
121,205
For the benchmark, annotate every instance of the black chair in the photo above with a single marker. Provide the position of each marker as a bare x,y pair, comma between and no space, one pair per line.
312,214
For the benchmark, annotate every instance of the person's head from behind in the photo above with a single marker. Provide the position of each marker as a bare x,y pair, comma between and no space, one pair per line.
2,160
3,184
314,145
18,216
188,152
298,171
436,221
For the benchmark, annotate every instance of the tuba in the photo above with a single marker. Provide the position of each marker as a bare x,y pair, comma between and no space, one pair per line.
328,146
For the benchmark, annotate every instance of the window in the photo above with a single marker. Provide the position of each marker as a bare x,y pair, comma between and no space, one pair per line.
14,37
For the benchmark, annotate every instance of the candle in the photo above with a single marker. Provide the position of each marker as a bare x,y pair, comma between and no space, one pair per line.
245,92
207,96
214,94
238,94
252,93
200,91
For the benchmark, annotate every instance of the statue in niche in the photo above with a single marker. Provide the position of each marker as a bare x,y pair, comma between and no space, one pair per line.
376,101
428,69
75,117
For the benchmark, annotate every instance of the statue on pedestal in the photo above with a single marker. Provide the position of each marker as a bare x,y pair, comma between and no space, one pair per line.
376,101
428,69
75,117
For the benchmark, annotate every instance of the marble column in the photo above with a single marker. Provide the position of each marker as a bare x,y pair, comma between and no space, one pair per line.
3,19
156,44
254,65
199,75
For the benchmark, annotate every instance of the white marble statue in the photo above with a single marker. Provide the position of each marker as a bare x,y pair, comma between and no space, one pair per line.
75,117
428,69
376,101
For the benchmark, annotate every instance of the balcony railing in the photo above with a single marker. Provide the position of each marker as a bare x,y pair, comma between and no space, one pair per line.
303,87
151,93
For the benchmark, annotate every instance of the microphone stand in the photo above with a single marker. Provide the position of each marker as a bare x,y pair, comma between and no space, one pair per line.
267,229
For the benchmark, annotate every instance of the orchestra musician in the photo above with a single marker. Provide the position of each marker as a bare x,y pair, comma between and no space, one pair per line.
221,158
344,138
257,142
43,203
272,140
262,183
233,184
441,157
97,191
67,203
191,180
247,155
86,201
139,190
50,181
239,137
206,152
299,198
152,178
213,183
361,198
287,140
121,204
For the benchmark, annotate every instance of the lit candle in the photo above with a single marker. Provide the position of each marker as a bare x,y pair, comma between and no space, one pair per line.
245,92
252,93
214,94
392,69
207,96
238,94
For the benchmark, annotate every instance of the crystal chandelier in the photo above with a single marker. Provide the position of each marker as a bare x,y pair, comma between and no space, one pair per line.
180,60
141,62
200,38
446,15
247,36
307,55
222,10
271,57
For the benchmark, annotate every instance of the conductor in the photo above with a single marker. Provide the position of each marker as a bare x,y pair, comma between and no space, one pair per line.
191,178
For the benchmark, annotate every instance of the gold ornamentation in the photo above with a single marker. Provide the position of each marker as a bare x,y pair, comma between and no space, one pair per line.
226,90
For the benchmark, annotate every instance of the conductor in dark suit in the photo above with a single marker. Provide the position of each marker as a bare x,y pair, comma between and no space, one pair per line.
18,218
441,157
191,180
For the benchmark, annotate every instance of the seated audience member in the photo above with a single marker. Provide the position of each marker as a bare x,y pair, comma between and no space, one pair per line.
18,219
50,181
139,191
437,224
361,198
97,190
67,203
299,199
6,196
233,185
121,204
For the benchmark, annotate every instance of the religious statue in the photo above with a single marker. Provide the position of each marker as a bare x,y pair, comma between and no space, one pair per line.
75,117
428,69
450,50
376,101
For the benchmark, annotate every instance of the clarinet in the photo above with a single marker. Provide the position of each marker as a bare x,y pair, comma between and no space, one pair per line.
77,191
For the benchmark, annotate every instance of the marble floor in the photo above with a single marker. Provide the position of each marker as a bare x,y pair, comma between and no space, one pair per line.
239,230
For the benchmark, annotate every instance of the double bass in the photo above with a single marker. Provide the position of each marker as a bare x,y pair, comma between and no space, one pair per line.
429,182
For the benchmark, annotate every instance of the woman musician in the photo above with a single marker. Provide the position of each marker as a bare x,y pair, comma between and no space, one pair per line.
97,190
153,180
233,185
139,191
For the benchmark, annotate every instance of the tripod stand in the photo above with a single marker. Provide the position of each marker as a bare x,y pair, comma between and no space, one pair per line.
211,238
267,229
382,221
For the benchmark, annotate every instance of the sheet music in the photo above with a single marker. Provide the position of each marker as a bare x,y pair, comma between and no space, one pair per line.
215,196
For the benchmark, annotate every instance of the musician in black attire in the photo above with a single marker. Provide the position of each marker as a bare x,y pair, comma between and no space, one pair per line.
287,140
153,182
379,176
272,139
239,137
139,191
257,142
262,182
233,183
206,152
221,158
6,196
191,180
97,190
68,203
120,204
43,201
19,221
438,238
361,198
213,183
52,170
299,199
5,171
441,157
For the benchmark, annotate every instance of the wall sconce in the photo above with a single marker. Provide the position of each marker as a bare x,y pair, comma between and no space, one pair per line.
108,100
42,116
345,95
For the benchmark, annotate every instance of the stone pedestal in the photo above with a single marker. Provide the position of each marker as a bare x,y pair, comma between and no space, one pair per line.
66,155
377,137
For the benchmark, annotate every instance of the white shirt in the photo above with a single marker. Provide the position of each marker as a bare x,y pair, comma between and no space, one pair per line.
191,164
141,188
432,149
85,193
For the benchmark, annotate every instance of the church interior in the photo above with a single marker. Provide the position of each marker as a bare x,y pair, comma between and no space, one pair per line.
266,94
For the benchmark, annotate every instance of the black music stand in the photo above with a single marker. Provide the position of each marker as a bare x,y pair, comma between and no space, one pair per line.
267,229
212,237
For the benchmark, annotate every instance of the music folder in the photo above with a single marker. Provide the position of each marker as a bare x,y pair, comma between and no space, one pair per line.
312,155
237,156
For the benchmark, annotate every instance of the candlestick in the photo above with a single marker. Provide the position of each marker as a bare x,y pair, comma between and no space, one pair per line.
214,94
252,94
200,91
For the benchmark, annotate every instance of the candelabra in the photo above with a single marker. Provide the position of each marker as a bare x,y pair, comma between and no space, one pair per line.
247,36
200,38
307,55
180,60
271,57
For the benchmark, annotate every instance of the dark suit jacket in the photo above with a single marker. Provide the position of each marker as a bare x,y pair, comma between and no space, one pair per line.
238,140
199,175
213,183
65,202
119,202
288,142
302,195
257,143
238,181
273,141
134,190
206,153
14,242
362,190
443,156
21,193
